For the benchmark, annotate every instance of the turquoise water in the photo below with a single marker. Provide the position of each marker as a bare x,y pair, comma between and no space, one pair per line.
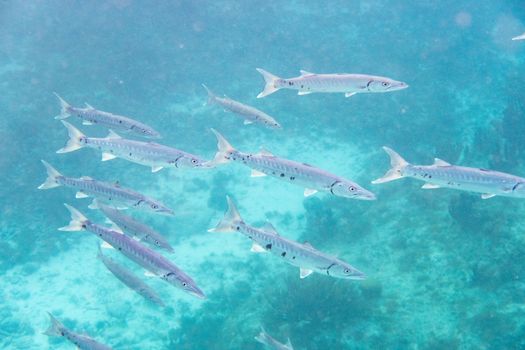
445,268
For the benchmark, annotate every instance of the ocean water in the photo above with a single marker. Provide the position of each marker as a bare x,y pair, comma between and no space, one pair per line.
445,268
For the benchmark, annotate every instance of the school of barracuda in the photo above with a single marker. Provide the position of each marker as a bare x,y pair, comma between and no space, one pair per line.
128,235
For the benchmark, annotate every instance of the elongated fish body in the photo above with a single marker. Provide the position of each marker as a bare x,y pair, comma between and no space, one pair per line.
272,343
137,252
489,183
302,255
349,84
150,154
83,342
134,228
129,279
305,175
90,116
103,191
250,114
519,37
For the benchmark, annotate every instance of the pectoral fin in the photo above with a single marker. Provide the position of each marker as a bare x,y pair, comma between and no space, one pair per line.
429,186
487,195
154,169
350,94
256,248
308,192
304,93
87,122
81,194
303,273
108,156
94,204
106,245
247,122
257,173
149,274
440,162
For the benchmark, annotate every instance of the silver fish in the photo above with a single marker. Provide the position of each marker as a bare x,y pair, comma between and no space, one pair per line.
250,114
150,154
302,255
313,179
129,279
152,261
103,191
519,37
134,228
83,342
349,84
442,174
271,343
90,116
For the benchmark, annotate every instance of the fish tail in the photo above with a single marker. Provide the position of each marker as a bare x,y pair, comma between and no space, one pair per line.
55,328
230,219
271,83
77,222
224,149
75,139
397,163
65,107
52,176
211,95
262,336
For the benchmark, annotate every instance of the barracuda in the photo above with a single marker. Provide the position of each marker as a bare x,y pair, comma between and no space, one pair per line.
130,280
305,175
91,115
442,174
152,261
302,255
134,228
250,114
150,154
272,343
103,191
349,84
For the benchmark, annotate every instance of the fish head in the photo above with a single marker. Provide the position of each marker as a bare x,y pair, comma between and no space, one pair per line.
191,162
154,206
148,132
184,282
380,84
272,124
340,269
352,190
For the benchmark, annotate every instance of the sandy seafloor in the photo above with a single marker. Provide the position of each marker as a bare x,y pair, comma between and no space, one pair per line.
445,269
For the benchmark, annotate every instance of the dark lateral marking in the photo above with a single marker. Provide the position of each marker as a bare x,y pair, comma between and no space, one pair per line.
292,178
282,174
293,257
283,254
269,246
290,83
238,228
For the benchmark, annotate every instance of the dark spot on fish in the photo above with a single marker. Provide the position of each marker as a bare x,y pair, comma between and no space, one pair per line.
120,121
292,178
293,257
119,248
238,228
283,254
302,86
290,83
429,176
282,175
130,154
269,246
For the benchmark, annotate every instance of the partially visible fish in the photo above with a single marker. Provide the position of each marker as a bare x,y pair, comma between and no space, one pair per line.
83,342
250,114
349,84
134,228
489,183
129,279
271,343
149,259
150,154
90,116
302,255
311,178
519,37
103,191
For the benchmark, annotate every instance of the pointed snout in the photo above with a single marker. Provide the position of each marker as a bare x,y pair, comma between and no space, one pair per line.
367,196
399,85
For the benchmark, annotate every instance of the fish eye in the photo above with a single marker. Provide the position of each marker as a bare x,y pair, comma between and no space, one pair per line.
184,284
385,84
194,161
154,206
347,271
351,188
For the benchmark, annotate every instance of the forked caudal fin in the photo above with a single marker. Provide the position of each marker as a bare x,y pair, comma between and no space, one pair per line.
64,108
75,139
397,163
271,83
52,176
211,95
230,219
77,220
224,149
55,328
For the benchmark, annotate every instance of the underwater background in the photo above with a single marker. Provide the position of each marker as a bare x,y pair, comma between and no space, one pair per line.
445,268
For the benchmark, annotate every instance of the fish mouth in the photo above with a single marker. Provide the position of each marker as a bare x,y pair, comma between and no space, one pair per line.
167,212
197,293
367,197
359,277
398,86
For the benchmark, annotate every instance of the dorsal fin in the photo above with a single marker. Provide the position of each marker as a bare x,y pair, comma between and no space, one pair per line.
89,106
117,183
265,152
269,228
308,245
440,162
113,135
305,72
